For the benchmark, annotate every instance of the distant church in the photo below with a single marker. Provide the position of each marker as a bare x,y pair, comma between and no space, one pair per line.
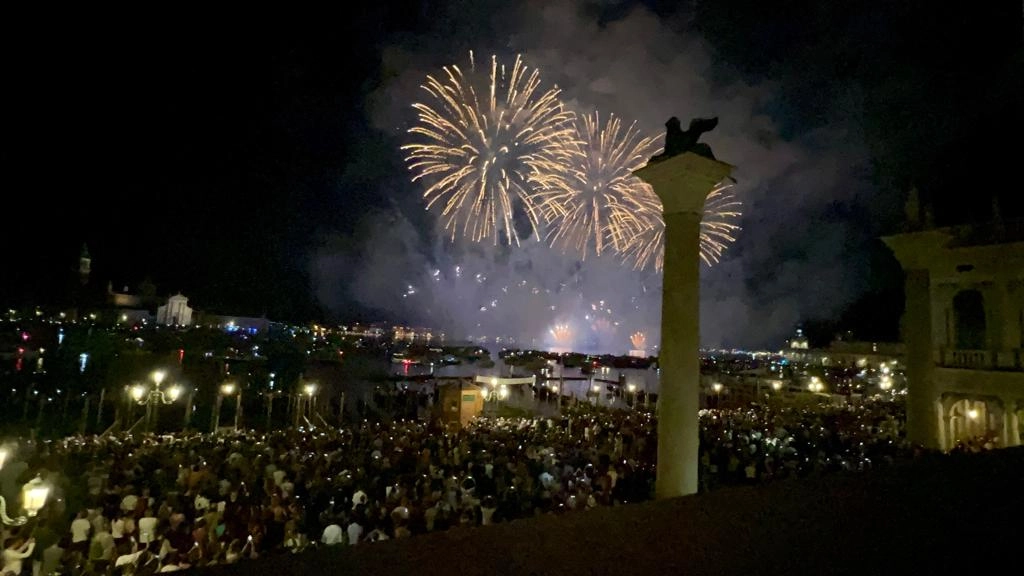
122,307
175,313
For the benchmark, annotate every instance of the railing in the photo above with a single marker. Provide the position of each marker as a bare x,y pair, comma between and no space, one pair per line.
981,359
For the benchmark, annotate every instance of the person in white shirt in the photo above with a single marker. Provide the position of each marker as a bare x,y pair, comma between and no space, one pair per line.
117,528
355,531
487,508
129,558
359,498
332,535
80,528
16,550
129,502
147,528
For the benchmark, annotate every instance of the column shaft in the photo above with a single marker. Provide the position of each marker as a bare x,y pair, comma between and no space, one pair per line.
922,424
678,440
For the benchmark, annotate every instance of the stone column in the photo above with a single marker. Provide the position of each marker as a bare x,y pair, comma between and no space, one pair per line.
922,393
1008,319
683,183
1010,432
1015,425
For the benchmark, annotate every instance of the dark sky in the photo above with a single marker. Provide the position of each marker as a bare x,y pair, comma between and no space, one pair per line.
218,153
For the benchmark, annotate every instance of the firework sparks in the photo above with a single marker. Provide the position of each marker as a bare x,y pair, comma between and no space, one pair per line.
486,152
562,333
585,217
639,340
643,219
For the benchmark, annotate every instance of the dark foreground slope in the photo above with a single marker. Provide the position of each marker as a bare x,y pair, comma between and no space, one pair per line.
940,515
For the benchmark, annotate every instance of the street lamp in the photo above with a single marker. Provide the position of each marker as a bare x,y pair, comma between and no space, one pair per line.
33,498
717,388
227,389
305,402
155,397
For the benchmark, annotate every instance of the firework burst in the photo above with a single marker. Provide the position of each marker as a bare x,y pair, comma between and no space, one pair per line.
643,219
638,340
486,144
561,333
586,216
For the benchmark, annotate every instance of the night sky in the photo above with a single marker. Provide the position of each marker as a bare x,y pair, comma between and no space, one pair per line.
248,159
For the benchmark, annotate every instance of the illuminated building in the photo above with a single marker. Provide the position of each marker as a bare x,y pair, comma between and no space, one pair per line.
963,326
843,353
175,313
800,342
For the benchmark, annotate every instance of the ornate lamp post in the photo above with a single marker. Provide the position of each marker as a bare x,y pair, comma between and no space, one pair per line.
494,395
152,399
306,402
33,498
227,389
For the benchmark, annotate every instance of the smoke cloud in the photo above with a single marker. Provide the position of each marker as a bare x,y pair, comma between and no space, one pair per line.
806,198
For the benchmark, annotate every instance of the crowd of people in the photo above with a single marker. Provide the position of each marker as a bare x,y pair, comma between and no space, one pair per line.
127,504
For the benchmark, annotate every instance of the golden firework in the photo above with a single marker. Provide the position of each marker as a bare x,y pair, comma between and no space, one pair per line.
586,216
486,155
639,340
561,333
645,225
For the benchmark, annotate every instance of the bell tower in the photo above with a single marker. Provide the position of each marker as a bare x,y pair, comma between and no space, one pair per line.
84,265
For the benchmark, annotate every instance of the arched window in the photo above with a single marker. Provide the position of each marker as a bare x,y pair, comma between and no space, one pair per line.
969,320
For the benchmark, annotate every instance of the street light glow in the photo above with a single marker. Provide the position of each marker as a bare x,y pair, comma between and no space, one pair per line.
138,391
158,376
33,496
227,389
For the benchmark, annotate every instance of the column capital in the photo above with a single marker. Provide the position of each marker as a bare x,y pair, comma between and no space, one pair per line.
682,182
